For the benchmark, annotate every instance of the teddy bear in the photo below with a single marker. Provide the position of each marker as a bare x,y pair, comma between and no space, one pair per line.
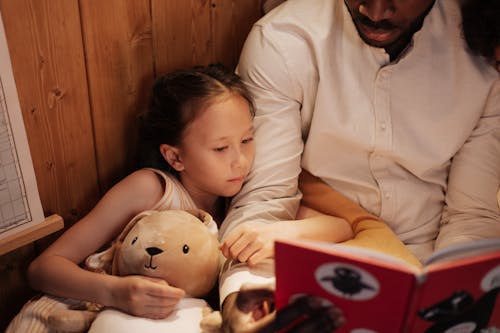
178,246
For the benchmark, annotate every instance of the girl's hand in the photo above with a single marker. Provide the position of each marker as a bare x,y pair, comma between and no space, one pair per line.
145,296
252,242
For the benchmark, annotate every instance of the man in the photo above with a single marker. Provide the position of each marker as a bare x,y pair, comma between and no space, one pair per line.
383,102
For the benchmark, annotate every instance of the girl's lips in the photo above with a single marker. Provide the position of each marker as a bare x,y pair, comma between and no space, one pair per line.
236,180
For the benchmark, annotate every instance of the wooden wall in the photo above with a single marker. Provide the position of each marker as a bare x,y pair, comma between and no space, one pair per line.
83,70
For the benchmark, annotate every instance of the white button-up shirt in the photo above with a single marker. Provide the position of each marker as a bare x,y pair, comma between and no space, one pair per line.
415,141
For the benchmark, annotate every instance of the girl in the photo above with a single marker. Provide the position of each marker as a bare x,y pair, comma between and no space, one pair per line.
200,125
200,128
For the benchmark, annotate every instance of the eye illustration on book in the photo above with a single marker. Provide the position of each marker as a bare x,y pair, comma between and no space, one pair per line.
491,280
347,281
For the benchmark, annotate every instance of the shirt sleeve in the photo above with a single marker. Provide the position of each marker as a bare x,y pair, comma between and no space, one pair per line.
471,211
270,192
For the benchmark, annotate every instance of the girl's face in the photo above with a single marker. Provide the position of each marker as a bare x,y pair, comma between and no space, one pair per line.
217,149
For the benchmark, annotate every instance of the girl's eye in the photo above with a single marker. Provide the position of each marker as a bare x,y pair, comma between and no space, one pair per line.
248,140
220,148
185,249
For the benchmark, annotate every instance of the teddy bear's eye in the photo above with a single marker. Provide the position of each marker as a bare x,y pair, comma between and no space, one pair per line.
134,240
185,248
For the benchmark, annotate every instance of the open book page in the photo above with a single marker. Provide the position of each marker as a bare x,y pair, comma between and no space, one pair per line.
20,205
465,250
382,258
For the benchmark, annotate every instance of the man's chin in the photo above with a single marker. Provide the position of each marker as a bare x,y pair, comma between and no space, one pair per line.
375,43
378,37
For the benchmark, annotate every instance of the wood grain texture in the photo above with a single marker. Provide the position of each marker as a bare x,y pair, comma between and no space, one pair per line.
45,44
118,48
231,23
14,290
181,34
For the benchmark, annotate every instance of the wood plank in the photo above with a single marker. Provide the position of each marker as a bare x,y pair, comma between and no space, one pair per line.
118,48
231,23
44,39
181,34
45,45
15,290
50,225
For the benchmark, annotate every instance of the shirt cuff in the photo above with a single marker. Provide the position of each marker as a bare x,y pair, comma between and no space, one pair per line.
235,274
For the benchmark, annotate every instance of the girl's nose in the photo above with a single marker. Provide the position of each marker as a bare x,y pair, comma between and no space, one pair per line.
239,159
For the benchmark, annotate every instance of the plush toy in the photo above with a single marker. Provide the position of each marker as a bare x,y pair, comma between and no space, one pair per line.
178,246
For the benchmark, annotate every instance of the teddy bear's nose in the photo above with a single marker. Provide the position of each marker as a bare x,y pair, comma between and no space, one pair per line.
153,251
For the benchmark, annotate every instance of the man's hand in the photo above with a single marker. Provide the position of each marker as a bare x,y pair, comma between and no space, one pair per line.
252,311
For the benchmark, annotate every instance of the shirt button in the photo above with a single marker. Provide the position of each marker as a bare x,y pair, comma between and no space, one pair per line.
383,126
387,195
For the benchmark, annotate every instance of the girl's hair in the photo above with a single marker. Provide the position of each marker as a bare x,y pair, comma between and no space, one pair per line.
177,99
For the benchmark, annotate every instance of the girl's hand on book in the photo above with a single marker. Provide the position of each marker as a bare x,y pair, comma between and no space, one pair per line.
144,296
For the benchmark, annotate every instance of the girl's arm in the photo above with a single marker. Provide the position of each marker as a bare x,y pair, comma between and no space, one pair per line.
56,271
253,242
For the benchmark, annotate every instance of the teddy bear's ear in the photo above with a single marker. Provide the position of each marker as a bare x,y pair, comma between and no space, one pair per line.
132,223
117,244
205,218
114,265
101,262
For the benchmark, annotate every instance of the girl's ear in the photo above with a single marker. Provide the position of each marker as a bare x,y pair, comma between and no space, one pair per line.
171,155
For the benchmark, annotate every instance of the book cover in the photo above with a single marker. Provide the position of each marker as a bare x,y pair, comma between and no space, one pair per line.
379,294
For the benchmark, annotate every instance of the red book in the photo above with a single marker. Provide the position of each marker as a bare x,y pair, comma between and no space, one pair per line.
456,291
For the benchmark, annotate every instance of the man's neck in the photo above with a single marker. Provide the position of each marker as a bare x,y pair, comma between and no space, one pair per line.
394,50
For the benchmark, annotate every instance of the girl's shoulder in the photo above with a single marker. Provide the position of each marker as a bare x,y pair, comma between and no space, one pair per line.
151,176
174,194
146,179
143,187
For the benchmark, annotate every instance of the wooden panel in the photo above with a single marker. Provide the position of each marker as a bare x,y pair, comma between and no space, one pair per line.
181,34
14,291
44,38
118,46
231,22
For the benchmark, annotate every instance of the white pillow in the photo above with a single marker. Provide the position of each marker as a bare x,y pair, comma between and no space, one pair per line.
185,319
